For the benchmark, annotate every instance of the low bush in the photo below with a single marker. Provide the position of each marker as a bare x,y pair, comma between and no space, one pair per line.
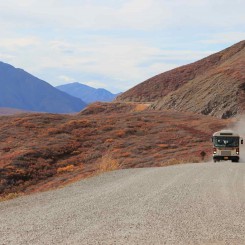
108,163
68,168
9,196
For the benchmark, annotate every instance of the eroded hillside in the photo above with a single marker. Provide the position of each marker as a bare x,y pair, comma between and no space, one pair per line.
212,86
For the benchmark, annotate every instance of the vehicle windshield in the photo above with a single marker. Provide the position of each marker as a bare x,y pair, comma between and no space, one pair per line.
220,141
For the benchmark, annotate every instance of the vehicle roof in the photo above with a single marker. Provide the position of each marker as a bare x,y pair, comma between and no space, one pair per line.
226,133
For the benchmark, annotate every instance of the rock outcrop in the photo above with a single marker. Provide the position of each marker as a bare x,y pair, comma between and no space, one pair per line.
212,86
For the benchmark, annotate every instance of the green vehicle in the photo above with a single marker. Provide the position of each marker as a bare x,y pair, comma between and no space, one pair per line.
226,146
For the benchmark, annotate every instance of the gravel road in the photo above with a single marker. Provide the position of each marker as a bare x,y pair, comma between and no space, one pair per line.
185,204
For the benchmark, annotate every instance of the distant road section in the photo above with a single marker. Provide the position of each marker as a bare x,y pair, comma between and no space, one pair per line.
185,204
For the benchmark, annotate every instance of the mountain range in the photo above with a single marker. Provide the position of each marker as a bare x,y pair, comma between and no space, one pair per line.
87,93
213,86
21,90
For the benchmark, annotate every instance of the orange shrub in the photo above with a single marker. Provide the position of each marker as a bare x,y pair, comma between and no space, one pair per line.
120,133
125,154
108,163
109,140
9,196
68,168
141,107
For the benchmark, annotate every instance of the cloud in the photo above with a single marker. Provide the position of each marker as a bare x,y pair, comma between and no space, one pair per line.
66,79
224,38
128,14
96,84
15,43
133,14
122,60
6,57
207,14
116,43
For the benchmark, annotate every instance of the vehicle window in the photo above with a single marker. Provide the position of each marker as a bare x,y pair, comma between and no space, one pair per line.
220,141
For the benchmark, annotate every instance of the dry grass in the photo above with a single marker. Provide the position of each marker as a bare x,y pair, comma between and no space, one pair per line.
68,168
120,133
141,107
60,148
9,196
108,163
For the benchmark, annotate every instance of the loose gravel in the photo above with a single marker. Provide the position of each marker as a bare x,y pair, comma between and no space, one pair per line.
184,204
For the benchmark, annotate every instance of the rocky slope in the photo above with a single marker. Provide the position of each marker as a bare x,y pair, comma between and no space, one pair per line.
212,86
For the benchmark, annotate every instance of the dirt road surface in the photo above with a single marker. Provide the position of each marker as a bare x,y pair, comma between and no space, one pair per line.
185,204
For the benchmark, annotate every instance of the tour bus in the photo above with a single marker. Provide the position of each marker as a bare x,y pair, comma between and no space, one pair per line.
226,146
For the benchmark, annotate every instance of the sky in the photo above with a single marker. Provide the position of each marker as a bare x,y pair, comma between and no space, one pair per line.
114,44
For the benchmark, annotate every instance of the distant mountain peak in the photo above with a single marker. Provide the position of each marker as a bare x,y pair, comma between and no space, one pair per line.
87,93
21,90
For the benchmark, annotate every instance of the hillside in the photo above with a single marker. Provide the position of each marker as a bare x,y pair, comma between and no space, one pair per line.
212,86
10,111
21,90
43,151
87,93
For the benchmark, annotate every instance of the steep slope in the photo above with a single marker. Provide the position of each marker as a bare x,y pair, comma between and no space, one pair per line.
87,93
21,90
213,85
219,92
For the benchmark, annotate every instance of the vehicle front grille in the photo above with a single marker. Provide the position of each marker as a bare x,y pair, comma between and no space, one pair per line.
225,153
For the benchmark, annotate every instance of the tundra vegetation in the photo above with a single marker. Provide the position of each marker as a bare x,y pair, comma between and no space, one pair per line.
44,151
